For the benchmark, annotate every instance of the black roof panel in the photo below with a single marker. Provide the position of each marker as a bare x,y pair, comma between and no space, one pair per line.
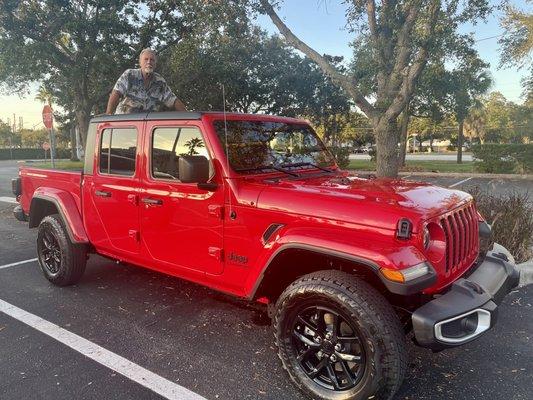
166,115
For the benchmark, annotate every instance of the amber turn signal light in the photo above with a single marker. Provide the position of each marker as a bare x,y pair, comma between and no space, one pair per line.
392,275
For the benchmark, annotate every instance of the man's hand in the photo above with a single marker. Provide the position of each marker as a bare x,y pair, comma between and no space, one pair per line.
112,104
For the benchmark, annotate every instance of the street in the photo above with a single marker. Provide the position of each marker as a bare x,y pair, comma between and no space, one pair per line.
420,157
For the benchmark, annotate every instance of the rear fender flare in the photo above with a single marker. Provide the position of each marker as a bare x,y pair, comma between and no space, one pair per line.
66,206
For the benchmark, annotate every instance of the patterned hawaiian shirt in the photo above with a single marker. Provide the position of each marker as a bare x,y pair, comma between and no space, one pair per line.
138,98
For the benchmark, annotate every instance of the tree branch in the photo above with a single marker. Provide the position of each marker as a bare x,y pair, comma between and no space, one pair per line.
342,80
413,72
402,44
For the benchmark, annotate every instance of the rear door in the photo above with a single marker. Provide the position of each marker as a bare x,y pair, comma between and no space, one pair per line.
111,210
181,225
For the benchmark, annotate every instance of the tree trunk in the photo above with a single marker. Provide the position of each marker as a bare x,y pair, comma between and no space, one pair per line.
82,121
431,138
73,153
460,143
387,148
403,136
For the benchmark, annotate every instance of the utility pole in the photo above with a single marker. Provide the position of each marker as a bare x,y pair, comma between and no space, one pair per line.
11,137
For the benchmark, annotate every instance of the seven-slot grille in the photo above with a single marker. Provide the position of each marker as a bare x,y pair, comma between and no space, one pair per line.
461,233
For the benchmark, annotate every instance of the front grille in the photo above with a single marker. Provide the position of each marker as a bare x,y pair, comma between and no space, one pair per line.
461,234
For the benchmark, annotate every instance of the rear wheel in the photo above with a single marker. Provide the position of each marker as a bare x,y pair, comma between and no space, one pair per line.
62,262
338,338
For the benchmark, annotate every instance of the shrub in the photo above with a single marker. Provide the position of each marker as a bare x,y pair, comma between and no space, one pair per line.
373,154
511,217
504,158
342,155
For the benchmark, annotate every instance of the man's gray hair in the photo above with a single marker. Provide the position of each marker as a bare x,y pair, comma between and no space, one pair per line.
148,49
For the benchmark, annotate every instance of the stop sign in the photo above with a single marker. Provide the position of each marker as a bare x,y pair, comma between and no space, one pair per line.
48,116
46,146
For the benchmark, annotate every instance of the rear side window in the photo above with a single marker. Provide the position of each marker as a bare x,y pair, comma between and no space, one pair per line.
168,144
118,147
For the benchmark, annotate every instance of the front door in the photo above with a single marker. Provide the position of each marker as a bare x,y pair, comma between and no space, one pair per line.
181,225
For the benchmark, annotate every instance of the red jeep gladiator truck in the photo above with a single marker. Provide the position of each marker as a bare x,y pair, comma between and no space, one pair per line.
255,206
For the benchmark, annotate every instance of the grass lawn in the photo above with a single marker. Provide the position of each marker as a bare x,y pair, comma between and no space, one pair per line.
418,166
63,164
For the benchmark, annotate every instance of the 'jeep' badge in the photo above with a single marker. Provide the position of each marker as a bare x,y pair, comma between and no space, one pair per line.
236,258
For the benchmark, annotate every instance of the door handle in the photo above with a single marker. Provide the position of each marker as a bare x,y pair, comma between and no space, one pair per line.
152,202
102,193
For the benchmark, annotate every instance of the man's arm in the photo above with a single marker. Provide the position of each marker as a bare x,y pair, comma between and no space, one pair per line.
178,105
114,99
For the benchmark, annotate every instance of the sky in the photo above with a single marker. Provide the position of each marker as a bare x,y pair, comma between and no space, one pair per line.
321,24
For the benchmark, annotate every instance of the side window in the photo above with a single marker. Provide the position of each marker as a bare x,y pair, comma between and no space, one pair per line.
168,144
118,148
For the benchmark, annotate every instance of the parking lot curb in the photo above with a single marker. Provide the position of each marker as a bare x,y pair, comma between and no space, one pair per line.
527,177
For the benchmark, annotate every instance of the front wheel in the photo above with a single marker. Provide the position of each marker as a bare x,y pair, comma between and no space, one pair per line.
62,262
339,339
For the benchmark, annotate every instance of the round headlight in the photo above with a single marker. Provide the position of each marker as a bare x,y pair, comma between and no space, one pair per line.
434,241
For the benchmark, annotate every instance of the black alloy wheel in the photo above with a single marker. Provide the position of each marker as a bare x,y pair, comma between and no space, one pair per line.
62,261
50,252
328,348
339,338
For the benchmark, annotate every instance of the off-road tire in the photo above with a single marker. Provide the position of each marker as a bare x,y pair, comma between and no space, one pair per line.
72,257
379,327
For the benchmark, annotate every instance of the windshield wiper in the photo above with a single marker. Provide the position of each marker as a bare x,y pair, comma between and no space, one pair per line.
301,164
262,167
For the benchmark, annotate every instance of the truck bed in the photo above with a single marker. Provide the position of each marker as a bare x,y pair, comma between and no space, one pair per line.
34,178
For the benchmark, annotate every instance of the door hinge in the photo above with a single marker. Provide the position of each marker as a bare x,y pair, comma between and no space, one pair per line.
216,252
216,211
134,199
135,235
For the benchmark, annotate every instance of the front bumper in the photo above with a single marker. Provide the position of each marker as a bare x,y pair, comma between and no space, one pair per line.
469,308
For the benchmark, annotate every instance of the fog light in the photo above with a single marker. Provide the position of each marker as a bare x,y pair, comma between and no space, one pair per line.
463,327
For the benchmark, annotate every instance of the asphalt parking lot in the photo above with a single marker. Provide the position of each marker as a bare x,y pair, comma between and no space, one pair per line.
191,338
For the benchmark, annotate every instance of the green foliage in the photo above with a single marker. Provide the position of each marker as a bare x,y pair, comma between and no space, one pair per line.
373,154
517,40
33,138
5,134
77,50
392,42
259,73
31,153
496,120
511,217
341,155
504,158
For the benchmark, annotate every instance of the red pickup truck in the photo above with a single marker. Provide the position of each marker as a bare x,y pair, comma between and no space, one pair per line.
255,206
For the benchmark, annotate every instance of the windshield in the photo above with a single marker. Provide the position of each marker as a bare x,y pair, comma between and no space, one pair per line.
262,145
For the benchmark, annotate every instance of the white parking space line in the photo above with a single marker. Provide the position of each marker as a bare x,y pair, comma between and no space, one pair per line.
11,200
123,366
17,263
460,182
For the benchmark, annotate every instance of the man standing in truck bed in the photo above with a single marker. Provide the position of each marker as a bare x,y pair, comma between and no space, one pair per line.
142,89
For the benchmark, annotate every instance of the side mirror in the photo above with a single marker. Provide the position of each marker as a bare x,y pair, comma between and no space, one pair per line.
195,169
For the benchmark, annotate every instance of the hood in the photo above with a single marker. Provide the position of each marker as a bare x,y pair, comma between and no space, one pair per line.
373,202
